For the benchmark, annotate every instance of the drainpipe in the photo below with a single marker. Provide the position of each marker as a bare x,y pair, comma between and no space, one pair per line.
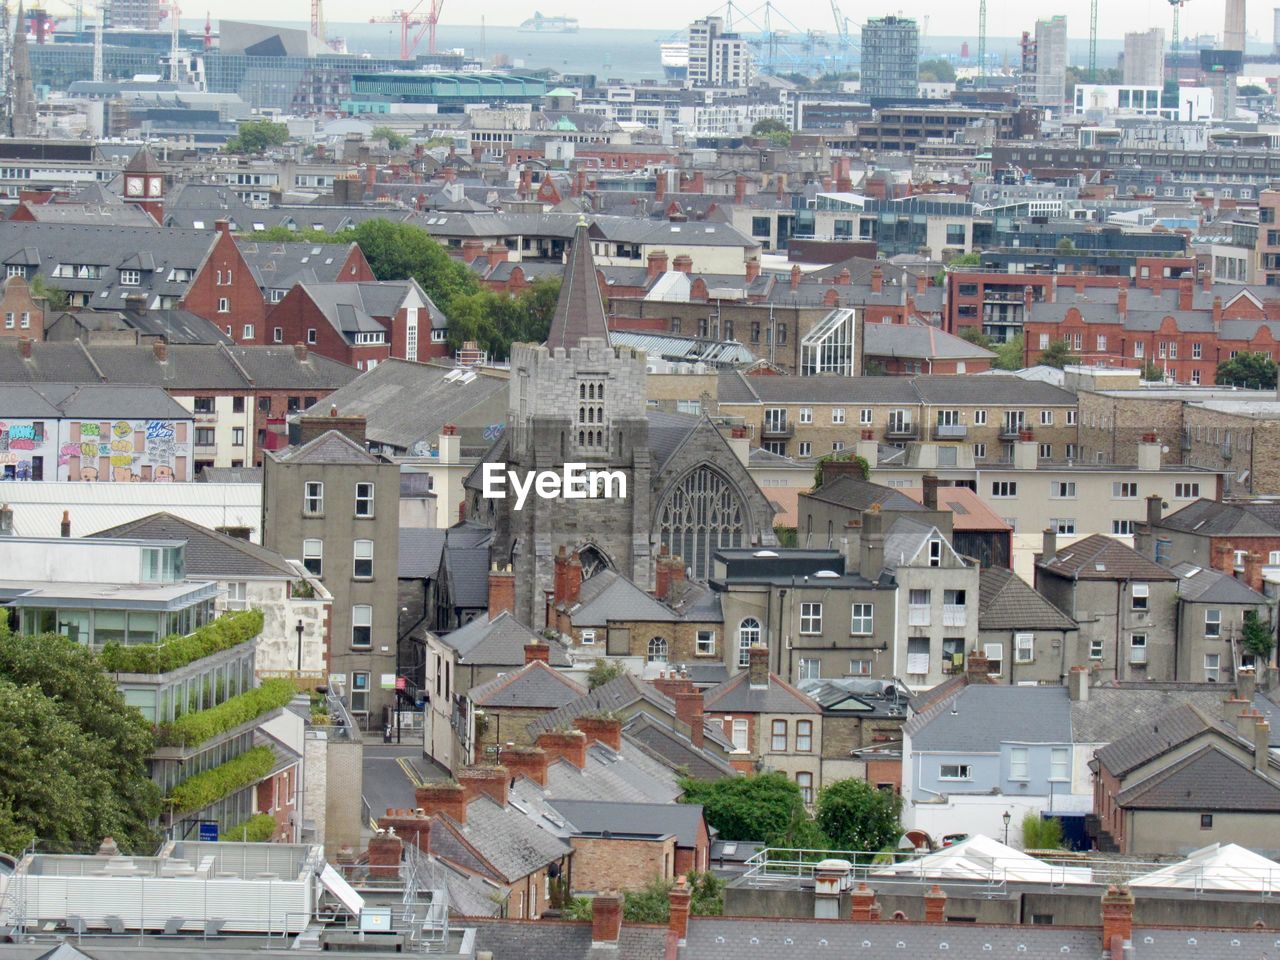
1119,611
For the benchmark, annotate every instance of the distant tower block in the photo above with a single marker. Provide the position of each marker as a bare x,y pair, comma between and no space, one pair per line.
1233,27
1275,29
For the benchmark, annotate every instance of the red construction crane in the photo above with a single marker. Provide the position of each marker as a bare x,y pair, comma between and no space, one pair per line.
408,19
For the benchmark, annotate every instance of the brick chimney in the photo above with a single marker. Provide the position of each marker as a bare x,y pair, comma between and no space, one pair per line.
502,590
843,278
537,651
1122,302
739,188
976,668
655,264
863,907
496,254
351,426
753,269
300,352
1253,570
930,495
1261,745
606,919
471,249
160,350
1217,314
877,279
660,186
570,745
446,798
1222,558
758,666
1186,292
935,905
25,346
601,729
568,578
922,283
66,524
683,263
1028,298
528,762
689,711
670,571
795,276
1117,916
384,856
491,782
678,899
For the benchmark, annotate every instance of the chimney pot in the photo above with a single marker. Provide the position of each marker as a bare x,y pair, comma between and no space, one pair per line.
66,523
606,918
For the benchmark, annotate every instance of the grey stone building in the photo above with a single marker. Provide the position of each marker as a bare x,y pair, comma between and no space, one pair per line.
578,400
1021,629
335,505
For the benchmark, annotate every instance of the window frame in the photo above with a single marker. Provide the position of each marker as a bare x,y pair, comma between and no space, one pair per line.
318,556
866,617
357,560
356,625
368,499
775,736
313,498
810,618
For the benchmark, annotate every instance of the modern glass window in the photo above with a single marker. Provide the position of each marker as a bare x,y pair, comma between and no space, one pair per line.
313,497
862,620
748,637
810,618
313,556
361,626
363,566
778,736
364,499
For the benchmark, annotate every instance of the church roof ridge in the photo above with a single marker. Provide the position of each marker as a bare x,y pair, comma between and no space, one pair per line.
579,310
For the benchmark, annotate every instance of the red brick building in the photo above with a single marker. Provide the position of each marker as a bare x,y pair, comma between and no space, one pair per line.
21,314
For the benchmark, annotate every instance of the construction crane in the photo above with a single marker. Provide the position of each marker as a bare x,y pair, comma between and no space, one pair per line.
1176,44
408,19
1093,41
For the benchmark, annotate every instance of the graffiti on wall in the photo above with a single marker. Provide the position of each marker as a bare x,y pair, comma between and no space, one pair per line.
155,451
18,443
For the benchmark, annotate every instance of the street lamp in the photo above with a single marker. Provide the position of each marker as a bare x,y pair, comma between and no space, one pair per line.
1006,818
299,628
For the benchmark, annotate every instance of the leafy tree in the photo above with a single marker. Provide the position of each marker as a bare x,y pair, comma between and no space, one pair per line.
1057,354
652,904
787,536
975,336
258,136
1257,636
858,816
864,468
1040,833
73,767
1151,373
1252,90
1065,245
1009,354
602,671
1104,75
971,259
762,806
762,128
495,321
1255,370
649,904
937,71
707,894
56,296
395,141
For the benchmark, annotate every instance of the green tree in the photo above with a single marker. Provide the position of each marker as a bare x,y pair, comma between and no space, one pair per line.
975,336
1057,354
761,806
971,259
1257,636
1066,245
1254,370
651,903
73,767
395,141
1252,90
258,136
1041,833
602,671
1150,373
857,816
762,128
56,296
937,71
1009,354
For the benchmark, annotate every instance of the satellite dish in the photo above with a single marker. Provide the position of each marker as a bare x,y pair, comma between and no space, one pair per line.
1165,448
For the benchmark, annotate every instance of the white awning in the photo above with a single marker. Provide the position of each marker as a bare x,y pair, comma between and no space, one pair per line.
332,881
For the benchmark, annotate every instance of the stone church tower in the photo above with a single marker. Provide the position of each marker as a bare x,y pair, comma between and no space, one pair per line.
577,399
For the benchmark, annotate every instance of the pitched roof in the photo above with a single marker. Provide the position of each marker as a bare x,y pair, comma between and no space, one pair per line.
1203,585
918,341
1149,740
534,685
579,310
607,595
1207,779
1212,518
1098,557
595,817
563,940
509,841
499,642
736,387
332,446
1007,602
968,510
420,551
92,400
208,553
668,746
857,494
1115,709
739,696
984,715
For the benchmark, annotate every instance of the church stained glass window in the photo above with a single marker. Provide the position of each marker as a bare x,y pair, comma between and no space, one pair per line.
701,515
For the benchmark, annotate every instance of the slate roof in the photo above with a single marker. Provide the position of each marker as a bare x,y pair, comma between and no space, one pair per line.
1147,741
608,595
209,554
279,266
988,714
673,749
1099,557
467,571
996,389
1007,602
587,818
906,538
1207,779
406,404
739,696
230,475
1211,518
1203,585
90,400
860,495
499,642
1118,708
564,940
420,552
513,845
579,310
330,447
534,685
173,326
918,342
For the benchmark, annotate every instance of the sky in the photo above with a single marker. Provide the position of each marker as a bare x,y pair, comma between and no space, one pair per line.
1004,17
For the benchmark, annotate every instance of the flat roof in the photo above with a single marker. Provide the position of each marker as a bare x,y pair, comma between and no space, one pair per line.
105,596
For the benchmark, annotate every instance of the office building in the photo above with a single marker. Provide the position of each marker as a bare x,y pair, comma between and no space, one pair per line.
890,57
1144,58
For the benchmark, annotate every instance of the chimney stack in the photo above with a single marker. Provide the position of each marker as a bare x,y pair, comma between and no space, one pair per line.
1122,302
606,919
976,667
1155,510
877,279
795,277
24,345
935,905
445,797
739,188
492,782
1232,708
863,905
689,711
537,651
1078,684
1186,292
502,590
1117,918
570,745
384,856
1049,545
66,524
603,729
931,484
161,351
758,666
1246,684
678,900
528,762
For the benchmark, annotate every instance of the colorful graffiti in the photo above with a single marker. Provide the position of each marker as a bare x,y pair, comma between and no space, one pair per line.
120,451
18,460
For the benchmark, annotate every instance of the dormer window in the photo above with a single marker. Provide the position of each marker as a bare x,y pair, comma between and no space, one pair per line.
130,278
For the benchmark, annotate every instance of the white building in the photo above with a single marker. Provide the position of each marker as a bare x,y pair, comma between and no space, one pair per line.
1144,58
1193,104
717,58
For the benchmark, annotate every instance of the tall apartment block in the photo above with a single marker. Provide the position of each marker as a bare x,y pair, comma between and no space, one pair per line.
1144,58
1044,64
717,58
890,57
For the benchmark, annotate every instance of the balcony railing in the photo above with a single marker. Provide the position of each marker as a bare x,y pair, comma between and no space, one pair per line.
954,615
777,428
1010,431
950,431
901,430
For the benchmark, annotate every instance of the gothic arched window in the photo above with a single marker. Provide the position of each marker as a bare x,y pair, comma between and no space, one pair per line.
657,650
701,515
748,637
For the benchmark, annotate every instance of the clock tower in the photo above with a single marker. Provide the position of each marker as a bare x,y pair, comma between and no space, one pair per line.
144,184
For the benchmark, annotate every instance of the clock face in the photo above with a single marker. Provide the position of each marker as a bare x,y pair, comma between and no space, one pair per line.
155,186
133,186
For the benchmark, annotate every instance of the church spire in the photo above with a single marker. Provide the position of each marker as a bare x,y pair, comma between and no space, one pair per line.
579,311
